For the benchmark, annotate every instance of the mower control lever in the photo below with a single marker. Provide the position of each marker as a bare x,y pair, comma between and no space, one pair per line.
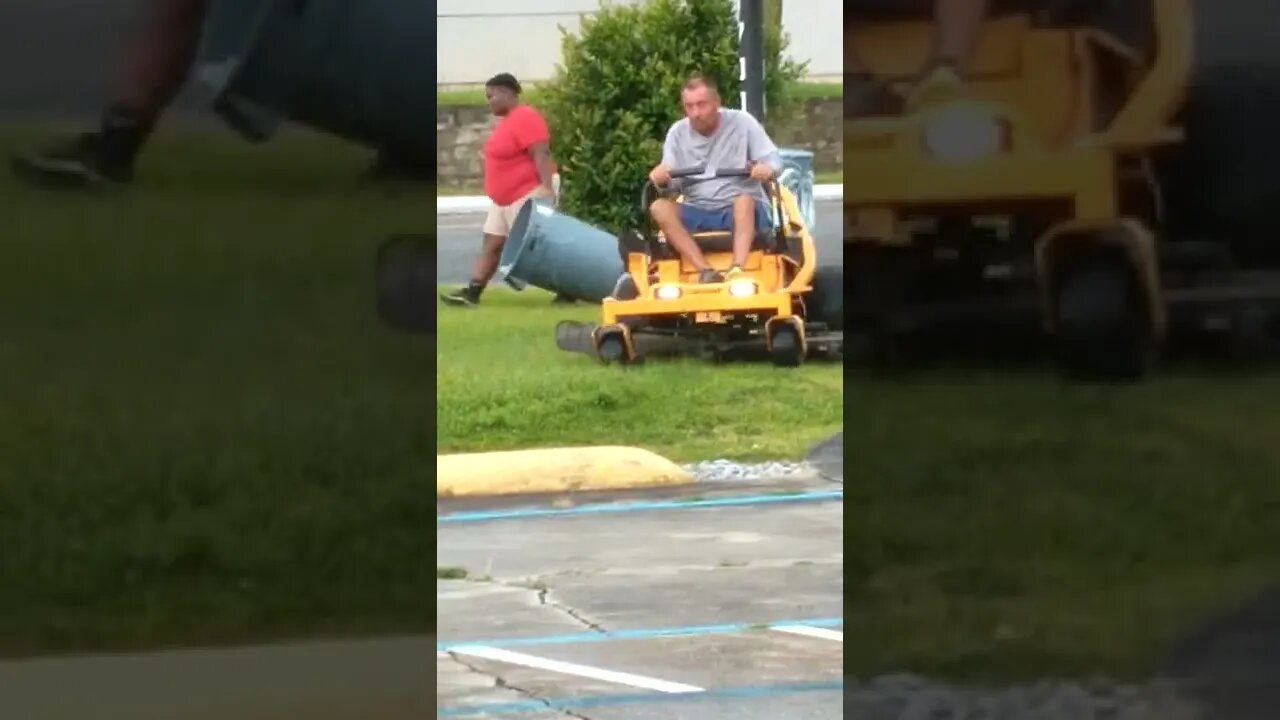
700,173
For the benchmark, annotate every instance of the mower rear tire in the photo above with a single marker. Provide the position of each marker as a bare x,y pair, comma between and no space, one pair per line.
825,304
1103,333
405,284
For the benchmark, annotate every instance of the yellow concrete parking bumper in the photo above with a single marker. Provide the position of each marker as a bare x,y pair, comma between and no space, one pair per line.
554,470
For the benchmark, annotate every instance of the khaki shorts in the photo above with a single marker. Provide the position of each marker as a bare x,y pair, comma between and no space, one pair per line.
502,217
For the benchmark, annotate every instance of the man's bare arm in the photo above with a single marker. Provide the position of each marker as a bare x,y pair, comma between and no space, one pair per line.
541,153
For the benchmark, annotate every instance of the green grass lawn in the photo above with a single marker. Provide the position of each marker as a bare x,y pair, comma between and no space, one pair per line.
502,383
205,435
1004,526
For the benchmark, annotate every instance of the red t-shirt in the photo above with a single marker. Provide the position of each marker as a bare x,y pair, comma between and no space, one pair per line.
509,170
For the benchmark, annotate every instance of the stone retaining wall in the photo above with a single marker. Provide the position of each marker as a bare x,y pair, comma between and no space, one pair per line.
461,132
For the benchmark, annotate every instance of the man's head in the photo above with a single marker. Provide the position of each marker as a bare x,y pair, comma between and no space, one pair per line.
502,92
701,103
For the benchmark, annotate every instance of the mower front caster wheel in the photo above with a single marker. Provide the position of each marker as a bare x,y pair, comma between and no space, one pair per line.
612,349
1103,334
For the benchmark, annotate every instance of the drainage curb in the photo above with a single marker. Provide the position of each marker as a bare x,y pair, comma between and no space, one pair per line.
827,458
549,470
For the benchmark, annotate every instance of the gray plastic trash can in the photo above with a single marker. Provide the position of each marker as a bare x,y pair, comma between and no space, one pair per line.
353,69
797,176
553,251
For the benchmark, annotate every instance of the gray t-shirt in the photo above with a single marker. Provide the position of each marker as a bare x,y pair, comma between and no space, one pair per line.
738,138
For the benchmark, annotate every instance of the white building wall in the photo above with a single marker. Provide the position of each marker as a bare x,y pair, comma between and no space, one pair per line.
480,38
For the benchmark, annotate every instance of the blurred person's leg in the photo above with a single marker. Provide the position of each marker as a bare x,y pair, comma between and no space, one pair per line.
153,70
497,226
956,27
957,24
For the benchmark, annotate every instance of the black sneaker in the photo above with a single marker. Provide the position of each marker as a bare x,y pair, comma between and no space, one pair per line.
864,97
710,276
396,167
464,297
88,160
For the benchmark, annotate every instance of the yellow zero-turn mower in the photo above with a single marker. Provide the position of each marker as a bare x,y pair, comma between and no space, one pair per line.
783,300
1039,188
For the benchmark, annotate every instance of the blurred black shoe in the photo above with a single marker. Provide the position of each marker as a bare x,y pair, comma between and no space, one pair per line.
92,159
865,97
468,296
393,166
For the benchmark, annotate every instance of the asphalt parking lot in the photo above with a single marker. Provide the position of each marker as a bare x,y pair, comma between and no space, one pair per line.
719,601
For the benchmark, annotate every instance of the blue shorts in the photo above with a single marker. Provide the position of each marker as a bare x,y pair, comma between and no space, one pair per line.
699,220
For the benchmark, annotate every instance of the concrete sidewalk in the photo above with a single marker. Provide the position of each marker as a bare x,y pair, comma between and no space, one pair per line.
387,679
662,605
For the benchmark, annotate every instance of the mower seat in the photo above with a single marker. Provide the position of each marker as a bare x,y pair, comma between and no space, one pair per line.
721,241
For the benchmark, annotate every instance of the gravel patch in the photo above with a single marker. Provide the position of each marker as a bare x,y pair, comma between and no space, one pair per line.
727,470
907,697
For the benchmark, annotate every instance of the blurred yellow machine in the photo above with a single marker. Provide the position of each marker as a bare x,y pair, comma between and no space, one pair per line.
1035,190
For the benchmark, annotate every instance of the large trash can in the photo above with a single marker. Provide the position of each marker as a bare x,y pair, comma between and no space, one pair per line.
797,176
353,69
553,251
1222,183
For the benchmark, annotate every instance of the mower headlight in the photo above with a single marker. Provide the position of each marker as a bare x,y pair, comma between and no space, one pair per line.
742,288
963,132
667,292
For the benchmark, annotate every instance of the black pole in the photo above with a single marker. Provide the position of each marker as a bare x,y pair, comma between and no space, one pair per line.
751,56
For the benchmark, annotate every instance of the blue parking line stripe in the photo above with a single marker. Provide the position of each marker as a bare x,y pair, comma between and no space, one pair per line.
598,508
754,692
688,631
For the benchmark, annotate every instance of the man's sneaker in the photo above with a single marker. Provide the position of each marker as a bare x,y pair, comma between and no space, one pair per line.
463,297
942,83
88,160
865,97
732,273
709,276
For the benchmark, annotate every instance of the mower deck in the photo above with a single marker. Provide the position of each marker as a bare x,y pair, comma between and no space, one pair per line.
1245,303
575,337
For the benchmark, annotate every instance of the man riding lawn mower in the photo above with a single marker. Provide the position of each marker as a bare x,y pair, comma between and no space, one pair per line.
1062,180
774,290
714,217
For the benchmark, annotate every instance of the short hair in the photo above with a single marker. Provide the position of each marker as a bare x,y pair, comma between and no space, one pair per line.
697,80
506,80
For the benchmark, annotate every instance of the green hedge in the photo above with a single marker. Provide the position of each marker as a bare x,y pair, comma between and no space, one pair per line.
532,95
618,88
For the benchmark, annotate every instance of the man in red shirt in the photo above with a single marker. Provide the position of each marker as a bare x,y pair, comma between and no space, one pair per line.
517,169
